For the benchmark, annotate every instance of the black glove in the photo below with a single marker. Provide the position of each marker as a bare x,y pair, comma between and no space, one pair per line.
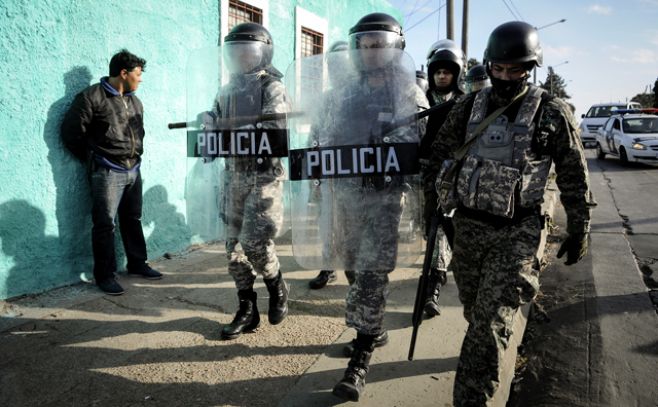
575,246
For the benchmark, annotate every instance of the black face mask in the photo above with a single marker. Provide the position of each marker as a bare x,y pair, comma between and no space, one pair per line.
508,89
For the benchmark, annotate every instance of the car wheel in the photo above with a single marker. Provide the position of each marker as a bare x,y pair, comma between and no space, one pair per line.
599,152
622,156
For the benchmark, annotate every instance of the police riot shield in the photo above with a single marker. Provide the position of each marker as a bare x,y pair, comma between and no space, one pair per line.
236,147
354,184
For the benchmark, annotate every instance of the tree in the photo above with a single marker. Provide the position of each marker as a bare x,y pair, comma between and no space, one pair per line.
645,99
555,85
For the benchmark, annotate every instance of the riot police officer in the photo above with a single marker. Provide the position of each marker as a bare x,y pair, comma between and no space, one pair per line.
476,79
444,68
370,206
251,204
505,139
336,69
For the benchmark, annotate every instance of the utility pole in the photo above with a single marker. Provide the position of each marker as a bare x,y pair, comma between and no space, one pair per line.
450,12
465,32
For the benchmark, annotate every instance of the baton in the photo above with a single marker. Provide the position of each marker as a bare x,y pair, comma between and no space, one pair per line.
232,122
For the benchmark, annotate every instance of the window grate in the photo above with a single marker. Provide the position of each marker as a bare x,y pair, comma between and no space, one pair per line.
239,12
312,42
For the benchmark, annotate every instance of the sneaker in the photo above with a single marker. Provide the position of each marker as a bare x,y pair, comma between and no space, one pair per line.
147,272
110,286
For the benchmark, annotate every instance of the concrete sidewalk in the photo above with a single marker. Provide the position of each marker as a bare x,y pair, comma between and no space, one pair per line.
159,345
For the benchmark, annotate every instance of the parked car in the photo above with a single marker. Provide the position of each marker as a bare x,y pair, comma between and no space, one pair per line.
596,116
631,135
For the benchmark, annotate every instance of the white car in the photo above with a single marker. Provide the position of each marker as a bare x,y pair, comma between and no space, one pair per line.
632,136
596,116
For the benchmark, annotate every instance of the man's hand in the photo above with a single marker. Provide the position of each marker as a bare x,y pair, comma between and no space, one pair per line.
575,246
206,120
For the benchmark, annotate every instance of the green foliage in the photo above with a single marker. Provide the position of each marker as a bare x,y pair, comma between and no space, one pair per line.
555,85
645,99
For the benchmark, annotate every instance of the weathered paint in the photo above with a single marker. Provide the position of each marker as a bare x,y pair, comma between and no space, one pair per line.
52,49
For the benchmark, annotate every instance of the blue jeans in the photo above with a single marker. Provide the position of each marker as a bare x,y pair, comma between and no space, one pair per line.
116,193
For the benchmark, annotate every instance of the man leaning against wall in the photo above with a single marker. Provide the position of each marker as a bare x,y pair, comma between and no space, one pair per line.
104,129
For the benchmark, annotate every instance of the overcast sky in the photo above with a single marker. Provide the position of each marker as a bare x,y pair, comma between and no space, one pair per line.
611,46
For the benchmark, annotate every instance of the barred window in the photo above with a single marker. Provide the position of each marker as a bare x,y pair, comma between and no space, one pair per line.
311,42
239,12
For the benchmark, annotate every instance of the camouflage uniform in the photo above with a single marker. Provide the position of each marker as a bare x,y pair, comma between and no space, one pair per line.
251,201
369,212
442,253
494,259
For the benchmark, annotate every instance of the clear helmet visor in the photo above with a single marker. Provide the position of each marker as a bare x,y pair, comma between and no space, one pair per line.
475,85
338,65
242,57
376,48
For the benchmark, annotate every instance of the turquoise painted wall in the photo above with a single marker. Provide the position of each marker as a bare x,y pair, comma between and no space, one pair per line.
52,49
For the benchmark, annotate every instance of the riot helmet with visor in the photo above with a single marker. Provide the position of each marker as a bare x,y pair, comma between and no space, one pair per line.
379,37
476,78
249,48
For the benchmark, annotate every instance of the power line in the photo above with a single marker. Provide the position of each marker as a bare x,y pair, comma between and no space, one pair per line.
424,18
413,9
417,9
510,10
516,9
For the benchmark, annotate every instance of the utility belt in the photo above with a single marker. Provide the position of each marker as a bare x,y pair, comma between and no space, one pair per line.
251,164
520,214
381,182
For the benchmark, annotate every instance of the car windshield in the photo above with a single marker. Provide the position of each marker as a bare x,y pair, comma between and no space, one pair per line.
641,125
603,111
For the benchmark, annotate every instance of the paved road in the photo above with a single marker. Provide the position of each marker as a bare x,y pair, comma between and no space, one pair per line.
600,347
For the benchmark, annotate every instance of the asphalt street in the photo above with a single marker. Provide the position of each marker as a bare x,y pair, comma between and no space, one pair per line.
597,344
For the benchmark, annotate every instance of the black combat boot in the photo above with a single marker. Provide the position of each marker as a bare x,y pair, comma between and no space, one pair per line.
325,277
278,290
353,382
437,278
246,319
350,276
379,341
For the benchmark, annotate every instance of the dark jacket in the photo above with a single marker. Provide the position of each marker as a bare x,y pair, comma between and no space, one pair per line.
104,123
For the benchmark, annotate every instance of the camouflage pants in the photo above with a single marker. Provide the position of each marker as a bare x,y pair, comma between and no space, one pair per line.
253,214
370,248
496,270
366,301
442,253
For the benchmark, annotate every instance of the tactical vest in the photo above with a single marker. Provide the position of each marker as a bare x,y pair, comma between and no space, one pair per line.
500,170
247,97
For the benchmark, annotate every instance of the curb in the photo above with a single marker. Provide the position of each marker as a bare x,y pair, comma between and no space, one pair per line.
508,361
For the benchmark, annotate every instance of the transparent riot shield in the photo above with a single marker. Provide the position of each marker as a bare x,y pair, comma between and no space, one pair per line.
354,184
236,147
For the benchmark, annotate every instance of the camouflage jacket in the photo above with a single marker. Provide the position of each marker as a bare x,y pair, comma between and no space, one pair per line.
253,95
556,135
